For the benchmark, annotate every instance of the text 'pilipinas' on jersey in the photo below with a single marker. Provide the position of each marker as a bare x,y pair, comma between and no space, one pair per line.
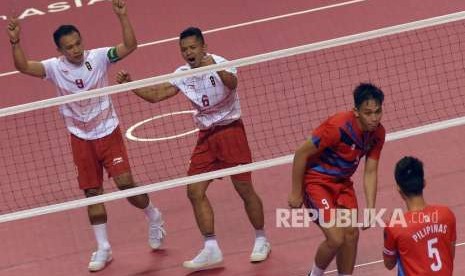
424,246
341,144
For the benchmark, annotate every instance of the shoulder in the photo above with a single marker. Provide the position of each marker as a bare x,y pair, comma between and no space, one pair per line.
53,66
391,232
332,125
182,68
180,82
444,211
98,52
52,60
218,59
339,119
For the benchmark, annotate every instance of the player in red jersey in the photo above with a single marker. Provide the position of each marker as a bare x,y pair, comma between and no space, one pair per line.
426,244
322,170
222,142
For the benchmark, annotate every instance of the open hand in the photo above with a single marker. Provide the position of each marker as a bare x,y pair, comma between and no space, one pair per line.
295,200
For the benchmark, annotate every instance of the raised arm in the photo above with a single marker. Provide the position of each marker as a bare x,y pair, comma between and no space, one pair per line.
22,64
129,43
153,94
303,153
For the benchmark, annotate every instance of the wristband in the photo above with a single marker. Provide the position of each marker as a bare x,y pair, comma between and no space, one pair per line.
14,42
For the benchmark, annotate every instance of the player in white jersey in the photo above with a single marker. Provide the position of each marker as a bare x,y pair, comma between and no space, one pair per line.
96,139
222,142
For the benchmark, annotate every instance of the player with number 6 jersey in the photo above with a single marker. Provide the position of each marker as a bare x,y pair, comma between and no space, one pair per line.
215,103
221,143
426,244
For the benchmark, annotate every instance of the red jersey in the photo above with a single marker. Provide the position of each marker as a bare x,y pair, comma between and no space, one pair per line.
341,144
424,246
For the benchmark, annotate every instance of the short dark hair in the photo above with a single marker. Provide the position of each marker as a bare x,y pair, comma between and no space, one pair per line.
192,31
62,31
367,91
410,176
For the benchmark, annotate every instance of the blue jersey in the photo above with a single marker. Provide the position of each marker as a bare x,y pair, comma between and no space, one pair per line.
341,144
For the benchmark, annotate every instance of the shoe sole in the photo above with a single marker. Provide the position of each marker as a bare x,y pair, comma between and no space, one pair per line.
106,264
259,259
155,247
199,268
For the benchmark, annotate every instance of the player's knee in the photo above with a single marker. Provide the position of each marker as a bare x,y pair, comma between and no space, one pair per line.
125,185
124,181
194,193
93,192
335,241
351,235
244,188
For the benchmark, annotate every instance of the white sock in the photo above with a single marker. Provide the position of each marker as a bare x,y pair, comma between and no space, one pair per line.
100,231
316,271
211,242
260,234
152,213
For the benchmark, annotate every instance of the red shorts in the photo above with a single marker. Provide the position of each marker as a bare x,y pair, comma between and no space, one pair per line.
323,193
221,147
91,156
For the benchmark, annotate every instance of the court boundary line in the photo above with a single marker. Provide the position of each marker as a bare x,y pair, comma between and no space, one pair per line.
182,181
243,24
378,261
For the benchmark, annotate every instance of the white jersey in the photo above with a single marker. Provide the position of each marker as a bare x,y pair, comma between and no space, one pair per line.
215,104
87,119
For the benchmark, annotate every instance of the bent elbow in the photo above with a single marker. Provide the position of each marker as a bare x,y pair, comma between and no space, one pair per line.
131,48
21,67
134,46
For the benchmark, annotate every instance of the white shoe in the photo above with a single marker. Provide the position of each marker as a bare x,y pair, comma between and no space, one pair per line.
100,259
207,258
261,250
156,235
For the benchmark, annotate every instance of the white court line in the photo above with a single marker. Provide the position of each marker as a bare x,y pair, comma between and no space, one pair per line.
267,19
132,137
378,261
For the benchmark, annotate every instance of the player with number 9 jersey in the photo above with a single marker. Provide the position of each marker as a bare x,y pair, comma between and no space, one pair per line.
95,137
322,170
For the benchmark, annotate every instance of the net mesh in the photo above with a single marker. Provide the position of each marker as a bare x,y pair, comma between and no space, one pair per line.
282,100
